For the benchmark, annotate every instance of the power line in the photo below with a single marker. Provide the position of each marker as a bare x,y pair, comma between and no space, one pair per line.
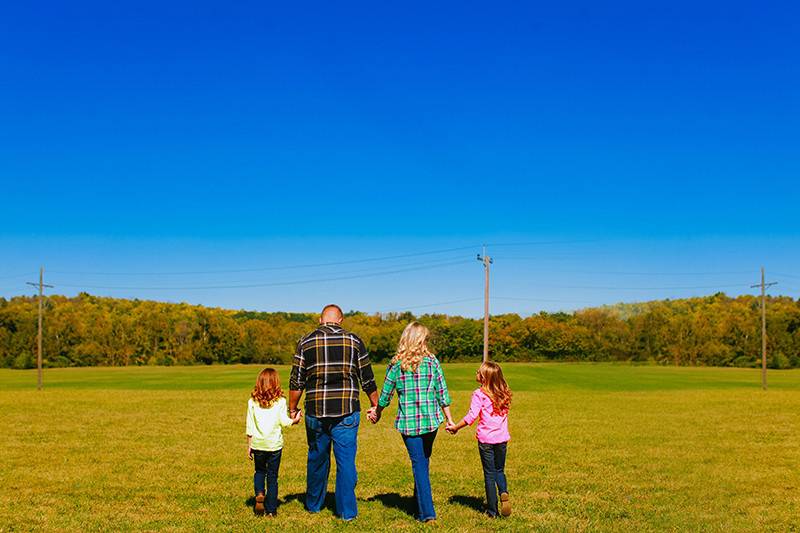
541,243
616,288
380,267
795,276
406,308
547,300
272,284
312,265
16,275
630,273
269,268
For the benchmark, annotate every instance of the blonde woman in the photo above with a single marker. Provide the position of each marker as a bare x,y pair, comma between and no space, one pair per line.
422,394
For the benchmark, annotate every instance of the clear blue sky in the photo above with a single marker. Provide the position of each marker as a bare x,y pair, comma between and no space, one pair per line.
655,148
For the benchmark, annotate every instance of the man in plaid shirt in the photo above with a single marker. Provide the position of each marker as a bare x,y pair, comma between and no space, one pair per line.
329,365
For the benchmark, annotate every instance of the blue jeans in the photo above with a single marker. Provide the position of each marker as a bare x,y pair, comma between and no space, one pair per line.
342,432
419,449
267,465
493,460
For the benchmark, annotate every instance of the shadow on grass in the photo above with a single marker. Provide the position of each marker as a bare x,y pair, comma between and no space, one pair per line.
407,504
473,502
330,500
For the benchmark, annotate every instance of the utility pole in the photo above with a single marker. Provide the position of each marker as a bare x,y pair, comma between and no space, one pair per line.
764,286
486,260
41,286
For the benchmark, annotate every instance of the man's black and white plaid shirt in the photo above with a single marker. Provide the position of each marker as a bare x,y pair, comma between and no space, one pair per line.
329,364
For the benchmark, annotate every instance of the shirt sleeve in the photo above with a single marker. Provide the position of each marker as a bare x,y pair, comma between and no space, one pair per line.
297,378
250,425
365,374
474,409
389,385
442,394
283,417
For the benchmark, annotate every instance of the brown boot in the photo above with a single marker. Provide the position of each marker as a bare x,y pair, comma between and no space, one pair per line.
505,505
259,506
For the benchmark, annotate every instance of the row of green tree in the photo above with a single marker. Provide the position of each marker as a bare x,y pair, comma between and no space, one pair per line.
87,330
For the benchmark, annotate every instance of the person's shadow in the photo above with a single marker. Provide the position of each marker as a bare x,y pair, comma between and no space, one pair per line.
472,502
407,504
330,500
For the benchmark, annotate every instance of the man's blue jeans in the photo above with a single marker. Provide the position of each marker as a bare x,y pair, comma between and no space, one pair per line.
493,460
342,433
419,449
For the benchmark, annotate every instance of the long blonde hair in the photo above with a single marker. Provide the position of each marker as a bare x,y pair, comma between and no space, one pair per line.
413,346
494,385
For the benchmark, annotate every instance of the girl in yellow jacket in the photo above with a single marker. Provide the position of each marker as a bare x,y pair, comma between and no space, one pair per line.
266,416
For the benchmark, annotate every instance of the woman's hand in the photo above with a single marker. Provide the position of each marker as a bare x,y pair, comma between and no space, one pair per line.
250,453
374,414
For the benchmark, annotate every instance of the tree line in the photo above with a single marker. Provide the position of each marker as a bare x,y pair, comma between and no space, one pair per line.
88,330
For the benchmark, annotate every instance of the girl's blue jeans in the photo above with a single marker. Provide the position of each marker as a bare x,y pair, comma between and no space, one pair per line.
267,465
493,460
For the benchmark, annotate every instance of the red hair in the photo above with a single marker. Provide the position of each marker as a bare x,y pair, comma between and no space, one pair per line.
268,387
494,385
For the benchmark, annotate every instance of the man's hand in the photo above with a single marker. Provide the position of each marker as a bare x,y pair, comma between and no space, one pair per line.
373,414
297,416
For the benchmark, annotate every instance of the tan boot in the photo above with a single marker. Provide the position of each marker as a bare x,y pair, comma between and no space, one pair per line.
259,506
505,504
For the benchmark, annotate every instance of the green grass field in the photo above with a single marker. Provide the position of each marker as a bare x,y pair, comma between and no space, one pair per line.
594,447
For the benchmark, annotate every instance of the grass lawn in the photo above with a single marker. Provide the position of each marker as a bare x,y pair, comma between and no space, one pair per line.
594,447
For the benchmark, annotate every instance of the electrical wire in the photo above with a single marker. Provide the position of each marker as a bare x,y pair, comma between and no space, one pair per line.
271,284
314,265
795,276
617,288
406,308
514,298
269,268
17,275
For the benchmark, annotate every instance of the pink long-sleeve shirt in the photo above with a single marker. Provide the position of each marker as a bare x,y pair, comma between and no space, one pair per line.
492,427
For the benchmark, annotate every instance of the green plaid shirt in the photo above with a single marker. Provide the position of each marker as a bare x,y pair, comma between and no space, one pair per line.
421,395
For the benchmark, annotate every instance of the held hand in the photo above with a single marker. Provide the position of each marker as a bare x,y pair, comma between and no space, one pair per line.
297,417
373,415
451,428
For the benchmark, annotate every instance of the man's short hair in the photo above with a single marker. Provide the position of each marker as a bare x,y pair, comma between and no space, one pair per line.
332,306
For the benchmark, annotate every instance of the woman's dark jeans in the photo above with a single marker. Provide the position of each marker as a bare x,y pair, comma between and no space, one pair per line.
267,465
493,460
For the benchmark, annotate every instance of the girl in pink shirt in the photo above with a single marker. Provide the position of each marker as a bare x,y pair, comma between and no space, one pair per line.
489,405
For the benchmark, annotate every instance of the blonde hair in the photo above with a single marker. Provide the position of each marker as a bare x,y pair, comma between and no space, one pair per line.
494,385
413,347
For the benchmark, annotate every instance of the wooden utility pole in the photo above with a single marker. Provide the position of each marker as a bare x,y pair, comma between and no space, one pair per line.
764,286
486,260
41,286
